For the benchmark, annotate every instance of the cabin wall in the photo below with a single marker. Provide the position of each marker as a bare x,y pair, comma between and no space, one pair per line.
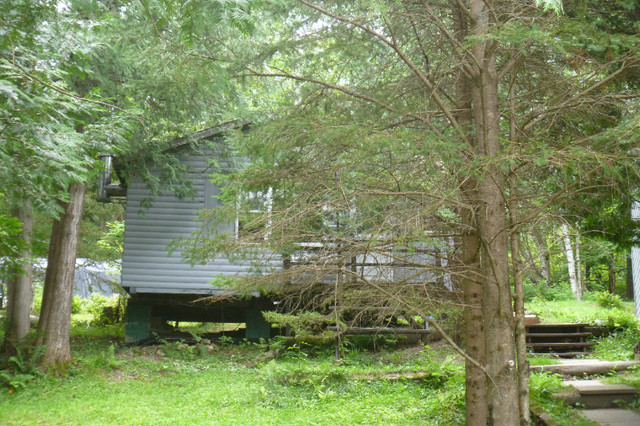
147,265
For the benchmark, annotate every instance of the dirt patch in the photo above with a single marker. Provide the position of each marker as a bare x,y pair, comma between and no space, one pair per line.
150,353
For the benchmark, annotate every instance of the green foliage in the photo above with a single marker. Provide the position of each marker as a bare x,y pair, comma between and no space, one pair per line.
608,300
114,237
106,310
38,293
582,312
76,304
114,385
555,5
617,345
102,231
21,368
10,246
544,291
542,386
303,324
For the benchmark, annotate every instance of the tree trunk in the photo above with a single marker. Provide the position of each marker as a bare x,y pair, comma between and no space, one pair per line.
543,254
571,262
517,267
612,274
501,383
20,287
629,277
579,274
475,379
55,316
521,332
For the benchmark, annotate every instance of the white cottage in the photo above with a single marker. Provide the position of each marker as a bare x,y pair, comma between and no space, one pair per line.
162,285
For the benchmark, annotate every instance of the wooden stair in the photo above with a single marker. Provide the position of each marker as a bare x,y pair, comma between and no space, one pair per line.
562,340
593,394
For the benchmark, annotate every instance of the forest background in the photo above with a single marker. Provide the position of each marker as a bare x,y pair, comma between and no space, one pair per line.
472,128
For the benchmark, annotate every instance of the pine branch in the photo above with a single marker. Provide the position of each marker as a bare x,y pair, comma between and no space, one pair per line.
68,94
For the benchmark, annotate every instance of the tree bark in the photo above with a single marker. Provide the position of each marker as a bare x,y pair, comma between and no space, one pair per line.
501,383
571,262
629,277
518,271
543,254
55,316
20,287
475,379
521,332
579,274
612,274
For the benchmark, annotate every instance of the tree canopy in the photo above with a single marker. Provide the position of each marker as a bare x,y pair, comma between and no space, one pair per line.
398,151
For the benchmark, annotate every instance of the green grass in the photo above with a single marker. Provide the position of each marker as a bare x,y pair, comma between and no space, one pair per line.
174,384
585,311
240,384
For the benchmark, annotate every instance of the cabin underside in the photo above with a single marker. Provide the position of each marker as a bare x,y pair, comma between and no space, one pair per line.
149,315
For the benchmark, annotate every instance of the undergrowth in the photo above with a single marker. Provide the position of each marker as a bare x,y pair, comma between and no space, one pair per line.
542,386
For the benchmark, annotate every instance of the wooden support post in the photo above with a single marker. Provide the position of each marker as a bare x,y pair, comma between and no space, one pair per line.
137,324
257,326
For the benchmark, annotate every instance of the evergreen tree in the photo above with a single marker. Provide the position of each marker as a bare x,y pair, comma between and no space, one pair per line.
447,128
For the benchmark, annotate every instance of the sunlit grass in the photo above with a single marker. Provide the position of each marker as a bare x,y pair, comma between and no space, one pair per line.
585,311
179,384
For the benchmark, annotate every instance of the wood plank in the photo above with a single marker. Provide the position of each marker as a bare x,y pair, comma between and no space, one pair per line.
561,345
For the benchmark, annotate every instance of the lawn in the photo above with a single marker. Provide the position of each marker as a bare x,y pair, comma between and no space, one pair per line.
237,384
276,383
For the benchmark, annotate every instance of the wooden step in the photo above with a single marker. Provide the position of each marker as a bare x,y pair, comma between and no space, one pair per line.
595,394
555,328
562,339
580,334
561,345
581,367
564,354
612,416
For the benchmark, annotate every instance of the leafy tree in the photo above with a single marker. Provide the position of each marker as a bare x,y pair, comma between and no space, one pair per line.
86,77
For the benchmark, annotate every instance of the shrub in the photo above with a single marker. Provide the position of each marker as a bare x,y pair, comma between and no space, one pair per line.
303,324
36,304
542,290
618,345
106,310
77,305
21,368
607,300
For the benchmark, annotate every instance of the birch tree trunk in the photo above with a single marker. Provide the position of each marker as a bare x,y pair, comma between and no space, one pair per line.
571,262
579,275
20,287
55,316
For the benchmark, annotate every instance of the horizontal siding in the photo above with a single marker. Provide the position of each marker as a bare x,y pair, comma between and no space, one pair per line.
160,290
147,266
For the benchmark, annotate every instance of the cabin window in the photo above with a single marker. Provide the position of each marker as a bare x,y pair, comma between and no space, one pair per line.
254,213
